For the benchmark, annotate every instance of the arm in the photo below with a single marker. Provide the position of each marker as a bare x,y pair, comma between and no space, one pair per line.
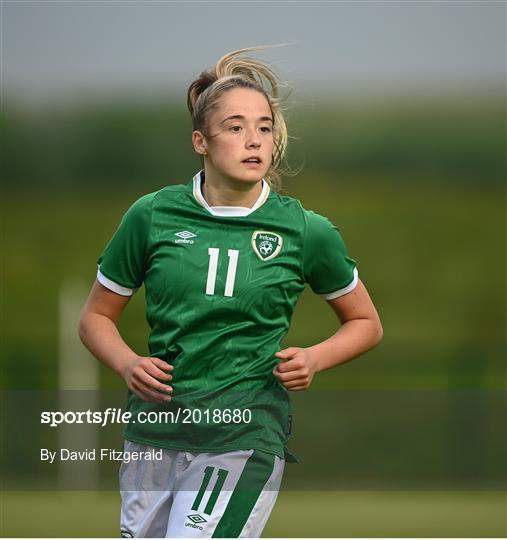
361,330
99,333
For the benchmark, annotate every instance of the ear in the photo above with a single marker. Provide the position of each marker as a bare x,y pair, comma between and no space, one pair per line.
199,142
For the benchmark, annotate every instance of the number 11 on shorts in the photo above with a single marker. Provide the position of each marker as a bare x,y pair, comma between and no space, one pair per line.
208,473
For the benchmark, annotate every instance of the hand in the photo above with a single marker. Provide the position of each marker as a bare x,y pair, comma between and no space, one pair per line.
296,368
141,376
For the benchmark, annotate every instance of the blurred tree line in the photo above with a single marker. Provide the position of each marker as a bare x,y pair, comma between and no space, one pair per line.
125,144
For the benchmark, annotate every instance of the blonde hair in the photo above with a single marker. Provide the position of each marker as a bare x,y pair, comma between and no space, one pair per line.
234,70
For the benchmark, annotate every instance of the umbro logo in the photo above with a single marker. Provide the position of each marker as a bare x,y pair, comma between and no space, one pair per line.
196,520
184,237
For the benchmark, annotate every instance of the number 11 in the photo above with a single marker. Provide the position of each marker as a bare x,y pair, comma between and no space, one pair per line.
231,271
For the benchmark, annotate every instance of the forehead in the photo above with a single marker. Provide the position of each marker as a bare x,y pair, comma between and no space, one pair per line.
244,101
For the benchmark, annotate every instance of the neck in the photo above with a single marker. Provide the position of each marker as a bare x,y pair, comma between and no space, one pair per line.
219,191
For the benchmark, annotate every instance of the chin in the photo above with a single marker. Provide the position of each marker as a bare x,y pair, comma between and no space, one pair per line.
249,176
245,175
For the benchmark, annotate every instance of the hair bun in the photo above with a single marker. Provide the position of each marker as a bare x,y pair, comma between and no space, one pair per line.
205,80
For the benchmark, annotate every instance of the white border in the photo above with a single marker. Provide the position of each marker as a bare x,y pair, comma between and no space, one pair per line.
112,286
228,211
345,290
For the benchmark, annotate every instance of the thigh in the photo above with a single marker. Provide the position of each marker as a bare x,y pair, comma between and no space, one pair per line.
147,489
225,495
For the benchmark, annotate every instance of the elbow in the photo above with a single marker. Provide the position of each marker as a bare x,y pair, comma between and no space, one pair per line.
378,333
82,327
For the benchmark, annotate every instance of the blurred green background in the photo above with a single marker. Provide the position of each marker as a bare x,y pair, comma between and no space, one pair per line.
417,191
408,440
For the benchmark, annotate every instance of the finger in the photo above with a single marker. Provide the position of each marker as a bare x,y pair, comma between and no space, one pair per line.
161,364
150,394
146,397
290,350
297,388
140,394
147,380
150,399
154,371
287,353
290,376
290,365
301,382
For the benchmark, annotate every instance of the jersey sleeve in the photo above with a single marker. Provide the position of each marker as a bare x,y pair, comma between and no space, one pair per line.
122,264
328,268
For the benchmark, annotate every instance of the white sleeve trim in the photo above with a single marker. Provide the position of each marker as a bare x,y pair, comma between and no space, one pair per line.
345,290
112,286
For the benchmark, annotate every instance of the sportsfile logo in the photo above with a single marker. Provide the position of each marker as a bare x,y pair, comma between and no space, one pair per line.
185,237
195,518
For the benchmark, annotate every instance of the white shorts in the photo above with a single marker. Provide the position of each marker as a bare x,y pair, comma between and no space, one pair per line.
187,495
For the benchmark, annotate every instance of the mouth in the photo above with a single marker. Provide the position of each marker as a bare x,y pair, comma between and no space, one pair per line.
253,161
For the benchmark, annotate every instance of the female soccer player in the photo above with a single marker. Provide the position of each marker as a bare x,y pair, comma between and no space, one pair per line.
223,259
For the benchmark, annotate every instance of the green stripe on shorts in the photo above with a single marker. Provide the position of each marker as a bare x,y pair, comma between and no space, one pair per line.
256,473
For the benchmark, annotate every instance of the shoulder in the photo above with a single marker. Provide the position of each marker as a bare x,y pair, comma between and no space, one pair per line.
317,223
311,220
167,193
151,201
290,206
139,216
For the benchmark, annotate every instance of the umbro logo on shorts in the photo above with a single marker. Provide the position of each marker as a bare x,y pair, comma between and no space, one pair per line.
195,519
185,237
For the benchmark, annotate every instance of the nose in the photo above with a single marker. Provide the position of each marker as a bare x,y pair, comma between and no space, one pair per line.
252,139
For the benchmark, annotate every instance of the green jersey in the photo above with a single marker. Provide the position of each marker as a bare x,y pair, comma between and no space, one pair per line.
221,285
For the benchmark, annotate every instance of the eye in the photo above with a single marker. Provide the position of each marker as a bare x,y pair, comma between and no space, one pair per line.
235,129
266,129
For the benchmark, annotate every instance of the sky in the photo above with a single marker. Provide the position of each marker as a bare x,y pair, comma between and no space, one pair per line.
74,50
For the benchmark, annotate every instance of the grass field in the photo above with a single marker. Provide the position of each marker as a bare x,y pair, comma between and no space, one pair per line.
425,271
444,331
296,514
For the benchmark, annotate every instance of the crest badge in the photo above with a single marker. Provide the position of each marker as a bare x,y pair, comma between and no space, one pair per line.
266,244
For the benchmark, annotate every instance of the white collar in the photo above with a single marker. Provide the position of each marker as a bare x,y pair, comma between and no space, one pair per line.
228,211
